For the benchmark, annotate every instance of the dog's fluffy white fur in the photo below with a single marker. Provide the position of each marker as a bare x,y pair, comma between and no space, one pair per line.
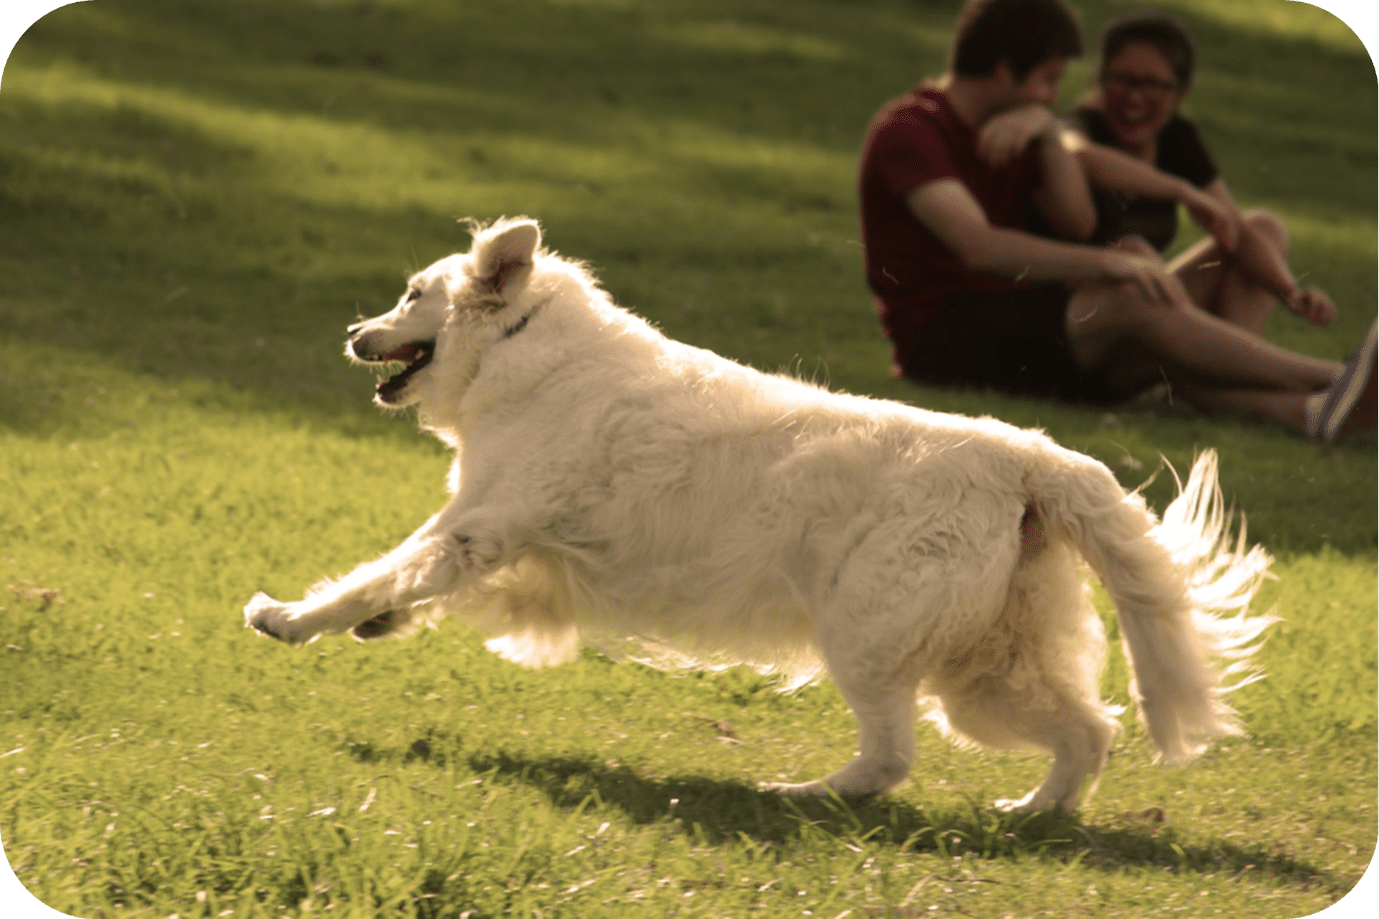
616,488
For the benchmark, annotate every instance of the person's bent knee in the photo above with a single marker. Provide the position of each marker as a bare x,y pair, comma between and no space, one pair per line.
1118,310
1135,245
1269,225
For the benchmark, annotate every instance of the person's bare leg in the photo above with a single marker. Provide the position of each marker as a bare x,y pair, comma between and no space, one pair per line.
1241,287
1134,368
1103,319
1285,408
1350,403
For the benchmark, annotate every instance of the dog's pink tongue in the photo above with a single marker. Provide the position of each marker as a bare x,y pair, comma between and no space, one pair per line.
405,353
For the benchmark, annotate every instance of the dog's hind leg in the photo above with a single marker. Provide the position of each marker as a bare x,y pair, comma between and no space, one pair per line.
880,683
1033,679
874,630
1006,715
886,742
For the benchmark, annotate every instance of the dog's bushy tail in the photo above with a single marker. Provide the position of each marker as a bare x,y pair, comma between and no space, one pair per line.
1182,589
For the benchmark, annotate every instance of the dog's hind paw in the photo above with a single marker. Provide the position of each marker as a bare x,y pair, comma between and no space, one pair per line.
268,617
1011,805
1029,804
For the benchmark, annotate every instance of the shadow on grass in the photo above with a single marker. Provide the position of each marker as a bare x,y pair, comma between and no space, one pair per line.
716,812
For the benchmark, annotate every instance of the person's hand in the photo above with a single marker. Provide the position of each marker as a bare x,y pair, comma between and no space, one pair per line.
1005,136
1311,304
1212,215
1146,273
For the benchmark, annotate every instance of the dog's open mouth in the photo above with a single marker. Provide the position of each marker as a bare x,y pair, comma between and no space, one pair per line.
416,356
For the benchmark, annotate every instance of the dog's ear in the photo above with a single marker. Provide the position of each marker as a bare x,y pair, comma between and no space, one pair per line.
503,259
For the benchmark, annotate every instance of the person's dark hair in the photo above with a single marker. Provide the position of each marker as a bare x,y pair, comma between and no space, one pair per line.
1158,30
1024,32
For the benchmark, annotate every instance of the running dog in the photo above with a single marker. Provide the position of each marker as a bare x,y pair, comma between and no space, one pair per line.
615,488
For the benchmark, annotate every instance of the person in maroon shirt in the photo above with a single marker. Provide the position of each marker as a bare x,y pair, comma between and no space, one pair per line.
949,173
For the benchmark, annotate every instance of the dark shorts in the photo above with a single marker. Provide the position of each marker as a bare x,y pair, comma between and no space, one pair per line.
1010,341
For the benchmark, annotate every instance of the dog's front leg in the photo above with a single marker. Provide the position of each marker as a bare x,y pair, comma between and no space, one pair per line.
448,550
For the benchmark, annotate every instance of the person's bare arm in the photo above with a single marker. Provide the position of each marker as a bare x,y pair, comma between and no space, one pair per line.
1114,170
1063,196
949,211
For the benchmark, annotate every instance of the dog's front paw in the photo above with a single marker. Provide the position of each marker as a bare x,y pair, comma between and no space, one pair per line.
267,616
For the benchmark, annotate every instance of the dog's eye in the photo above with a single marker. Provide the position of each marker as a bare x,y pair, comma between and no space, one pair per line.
413,294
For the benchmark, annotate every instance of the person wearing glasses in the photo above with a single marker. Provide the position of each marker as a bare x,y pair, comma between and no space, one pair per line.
969,297
1143,158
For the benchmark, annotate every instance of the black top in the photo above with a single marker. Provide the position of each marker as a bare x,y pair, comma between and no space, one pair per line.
1180,153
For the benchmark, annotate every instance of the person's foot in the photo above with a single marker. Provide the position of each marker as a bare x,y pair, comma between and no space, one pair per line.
1351,402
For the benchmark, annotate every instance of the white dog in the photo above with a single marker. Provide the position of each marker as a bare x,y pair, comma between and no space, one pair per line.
614,487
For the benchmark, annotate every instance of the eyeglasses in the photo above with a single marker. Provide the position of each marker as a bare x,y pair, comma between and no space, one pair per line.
1148,87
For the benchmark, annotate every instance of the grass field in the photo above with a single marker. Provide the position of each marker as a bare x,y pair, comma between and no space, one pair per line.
196,198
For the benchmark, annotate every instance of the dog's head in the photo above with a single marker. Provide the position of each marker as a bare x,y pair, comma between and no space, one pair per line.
468,293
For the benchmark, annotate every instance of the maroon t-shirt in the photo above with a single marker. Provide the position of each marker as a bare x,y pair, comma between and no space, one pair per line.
913,140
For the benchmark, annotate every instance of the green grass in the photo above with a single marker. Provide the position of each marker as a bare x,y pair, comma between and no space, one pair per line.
196,198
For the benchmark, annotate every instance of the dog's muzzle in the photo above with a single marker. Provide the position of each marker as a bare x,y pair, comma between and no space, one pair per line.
415,355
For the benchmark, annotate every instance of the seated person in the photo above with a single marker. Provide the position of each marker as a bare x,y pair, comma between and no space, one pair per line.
948,173
1143,158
